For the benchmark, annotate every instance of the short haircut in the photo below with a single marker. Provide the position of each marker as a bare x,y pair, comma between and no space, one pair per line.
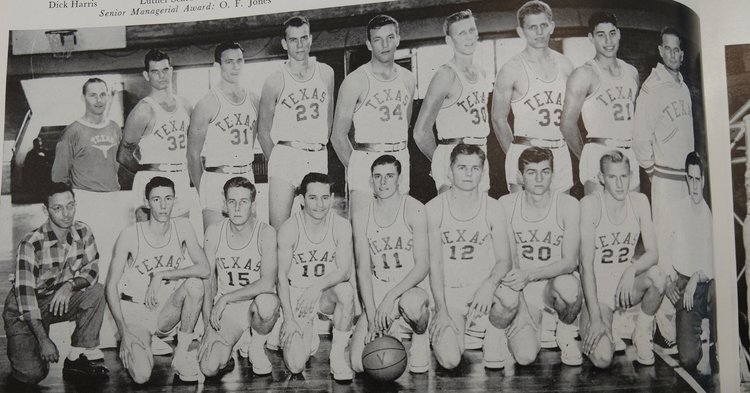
533,7
378,22
154,55
533,155
384,160
56,188
464,149
312,177
456,17
240,182
694,158
295,21
600,17
613,157
158,181
669,30
225,46
92,81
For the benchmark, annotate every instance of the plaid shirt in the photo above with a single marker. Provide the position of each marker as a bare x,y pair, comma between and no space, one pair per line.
45,262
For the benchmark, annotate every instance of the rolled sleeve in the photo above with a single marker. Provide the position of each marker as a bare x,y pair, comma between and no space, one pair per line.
25,282
643,132
90,264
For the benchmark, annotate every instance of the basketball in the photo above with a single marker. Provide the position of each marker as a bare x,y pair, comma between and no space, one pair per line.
384,359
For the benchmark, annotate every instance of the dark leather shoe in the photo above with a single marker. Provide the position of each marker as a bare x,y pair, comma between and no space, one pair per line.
83,369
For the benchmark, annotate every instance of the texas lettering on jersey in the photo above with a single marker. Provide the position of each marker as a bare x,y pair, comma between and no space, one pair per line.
537,236
388,243
388,95
158,262
544,98
677,109
617,93
229,122
460,235
237,263
303,96
471,100
312,256
170,127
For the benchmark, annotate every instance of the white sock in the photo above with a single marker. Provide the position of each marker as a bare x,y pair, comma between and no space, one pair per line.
340,339
644,322
75,352
257,340
183,340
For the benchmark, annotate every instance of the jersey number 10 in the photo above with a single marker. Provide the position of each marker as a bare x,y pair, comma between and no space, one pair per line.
318,270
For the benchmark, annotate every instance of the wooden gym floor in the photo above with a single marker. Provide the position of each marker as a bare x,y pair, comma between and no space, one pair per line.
547,374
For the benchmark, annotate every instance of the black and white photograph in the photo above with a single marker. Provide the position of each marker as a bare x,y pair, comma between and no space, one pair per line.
429,196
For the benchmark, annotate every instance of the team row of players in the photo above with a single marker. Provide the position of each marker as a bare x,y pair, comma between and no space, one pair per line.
294,116
493,263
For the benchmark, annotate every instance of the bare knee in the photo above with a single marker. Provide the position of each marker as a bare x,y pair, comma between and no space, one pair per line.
657,278
525,354
194,287
140,372
447,350
264,312
344,294
295,356
504,307
602,355
414,306
524,345
568,297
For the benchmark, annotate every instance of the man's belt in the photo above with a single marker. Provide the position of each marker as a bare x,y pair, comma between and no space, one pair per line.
467,140
539,142
380,147
611,142
666,172
230,169
306,146
176,167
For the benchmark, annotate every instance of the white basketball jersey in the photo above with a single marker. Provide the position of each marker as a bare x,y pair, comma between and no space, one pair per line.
468,256
237,267
538,242
311,260
381,117
608,112
391,244
166,141
615,241
301,112
151,258
537,114
230,137
468,115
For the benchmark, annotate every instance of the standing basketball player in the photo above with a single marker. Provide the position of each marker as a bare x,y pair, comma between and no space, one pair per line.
456,101
241,252
221,137
545,231
294,123
603,91
153,286
377,98
315,261
663,138
532,84
465,274
392,251
154,141
613,278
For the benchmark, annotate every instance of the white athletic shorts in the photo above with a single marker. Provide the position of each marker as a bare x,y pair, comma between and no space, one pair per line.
294,294
441,162
458,300
238,313
359,172
291,165
607,280
589,165
212,189
136,313
533,293
562,179
186,196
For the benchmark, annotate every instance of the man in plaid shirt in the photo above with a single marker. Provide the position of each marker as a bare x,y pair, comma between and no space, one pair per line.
55,281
